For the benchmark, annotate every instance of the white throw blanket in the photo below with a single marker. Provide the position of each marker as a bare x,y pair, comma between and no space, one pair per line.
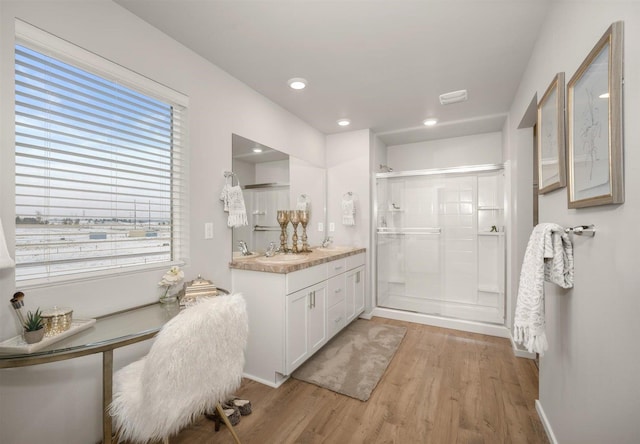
549,257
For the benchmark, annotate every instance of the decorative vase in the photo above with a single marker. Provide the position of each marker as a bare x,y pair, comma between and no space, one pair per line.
31,337
169,299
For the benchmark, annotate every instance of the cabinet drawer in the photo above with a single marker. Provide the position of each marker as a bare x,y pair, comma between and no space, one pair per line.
306,277
355,261
336,267
336,319
336,288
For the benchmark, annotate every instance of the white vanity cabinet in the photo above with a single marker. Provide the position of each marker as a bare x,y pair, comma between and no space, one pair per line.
292,314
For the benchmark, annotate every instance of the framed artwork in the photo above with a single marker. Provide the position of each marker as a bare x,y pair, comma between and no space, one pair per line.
551,137
594,121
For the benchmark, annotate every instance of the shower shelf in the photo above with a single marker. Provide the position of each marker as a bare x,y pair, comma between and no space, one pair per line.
489,289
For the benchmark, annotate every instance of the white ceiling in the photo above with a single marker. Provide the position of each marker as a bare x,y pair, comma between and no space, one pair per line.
382,64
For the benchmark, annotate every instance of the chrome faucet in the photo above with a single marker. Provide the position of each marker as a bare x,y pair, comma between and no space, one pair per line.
244,250
271,250
327,241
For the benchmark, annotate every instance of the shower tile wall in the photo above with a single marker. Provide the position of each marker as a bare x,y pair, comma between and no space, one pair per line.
459,238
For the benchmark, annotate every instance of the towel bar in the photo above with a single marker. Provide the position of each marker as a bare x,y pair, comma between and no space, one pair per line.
582,230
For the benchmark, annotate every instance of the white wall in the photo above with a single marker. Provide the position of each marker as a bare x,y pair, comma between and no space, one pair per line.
589,390
443,153
64,399
348,169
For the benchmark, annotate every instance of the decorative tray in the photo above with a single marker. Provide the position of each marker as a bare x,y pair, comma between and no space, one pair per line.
18,345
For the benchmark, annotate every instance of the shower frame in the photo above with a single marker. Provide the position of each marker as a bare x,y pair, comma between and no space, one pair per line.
426,318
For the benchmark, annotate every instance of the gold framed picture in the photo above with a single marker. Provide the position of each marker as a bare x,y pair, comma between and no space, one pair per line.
551,137
594,121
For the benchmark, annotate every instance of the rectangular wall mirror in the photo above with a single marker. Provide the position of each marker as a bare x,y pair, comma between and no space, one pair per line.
272,180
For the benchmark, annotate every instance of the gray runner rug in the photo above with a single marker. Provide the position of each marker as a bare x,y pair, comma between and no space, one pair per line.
353,362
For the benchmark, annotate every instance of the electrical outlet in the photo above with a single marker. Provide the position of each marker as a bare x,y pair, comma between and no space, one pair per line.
208,230
332,227
320,226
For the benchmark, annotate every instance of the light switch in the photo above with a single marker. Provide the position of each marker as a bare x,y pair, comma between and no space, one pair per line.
208,230
332,227
320,226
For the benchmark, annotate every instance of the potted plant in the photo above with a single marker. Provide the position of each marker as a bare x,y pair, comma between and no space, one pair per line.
33,327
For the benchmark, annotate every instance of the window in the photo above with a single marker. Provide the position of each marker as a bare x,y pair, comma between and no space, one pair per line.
100,165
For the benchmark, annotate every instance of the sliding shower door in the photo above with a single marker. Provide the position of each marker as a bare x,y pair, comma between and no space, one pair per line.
440,246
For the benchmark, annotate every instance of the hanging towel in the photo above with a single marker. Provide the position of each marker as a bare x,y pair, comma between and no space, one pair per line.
348,210
548,257
303,203
5,259
233,202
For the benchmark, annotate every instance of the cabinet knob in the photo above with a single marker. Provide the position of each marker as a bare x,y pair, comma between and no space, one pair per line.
338,290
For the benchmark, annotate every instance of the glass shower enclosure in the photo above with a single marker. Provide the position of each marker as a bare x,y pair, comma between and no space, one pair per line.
440,242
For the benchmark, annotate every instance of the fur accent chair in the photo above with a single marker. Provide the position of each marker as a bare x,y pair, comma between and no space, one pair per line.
195,363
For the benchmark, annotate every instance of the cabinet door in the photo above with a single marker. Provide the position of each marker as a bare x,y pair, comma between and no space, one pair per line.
355,292
296,329
306,324
359,290
317,328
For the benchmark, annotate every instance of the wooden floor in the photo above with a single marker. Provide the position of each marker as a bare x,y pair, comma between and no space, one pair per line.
442,386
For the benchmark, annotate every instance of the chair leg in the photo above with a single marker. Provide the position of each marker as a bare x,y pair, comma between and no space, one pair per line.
226,421
165,440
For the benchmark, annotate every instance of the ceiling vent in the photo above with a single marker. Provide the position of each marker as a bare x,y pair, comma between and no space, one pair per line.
453,97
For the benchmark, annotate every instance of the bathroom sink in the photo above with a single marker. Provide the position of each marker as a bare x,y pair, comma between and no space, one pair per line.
282,259
238,256
334,249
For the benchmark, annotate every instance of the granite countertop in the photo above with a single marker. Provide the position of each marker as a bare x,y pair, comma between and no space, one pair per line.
279,264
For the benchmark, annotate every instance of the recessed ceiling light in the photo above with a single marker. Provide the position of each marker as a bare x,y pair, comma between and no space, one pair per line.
257,149
344,122
453,97
430,122
297,83
604,96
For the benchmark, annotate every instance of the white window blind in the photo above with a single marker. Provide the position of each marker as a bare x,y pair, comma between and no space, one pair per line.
100,172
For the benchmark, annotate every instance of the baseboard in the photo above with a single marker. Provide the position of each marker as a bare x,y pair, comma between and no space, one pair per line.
264,381
437,321
366,315
545,423
519,351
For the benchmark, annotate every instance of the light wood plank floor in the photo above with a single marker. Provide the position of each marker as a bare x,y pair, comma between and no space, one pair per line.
443,386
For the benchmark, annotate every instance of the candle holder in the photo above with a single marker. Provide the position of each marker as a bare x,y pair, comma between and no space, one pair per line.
294,218
283,220
304,220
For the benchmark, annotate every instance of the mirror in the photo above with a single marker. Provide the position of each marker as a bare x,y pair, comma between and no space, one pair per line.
272,181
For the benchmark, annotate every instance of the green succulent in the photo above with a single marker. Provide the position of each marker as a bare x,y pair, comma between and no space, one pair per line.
34,321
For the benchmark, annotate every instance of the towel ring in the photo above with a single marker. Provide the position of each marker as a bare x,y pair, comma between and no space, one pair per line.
232,175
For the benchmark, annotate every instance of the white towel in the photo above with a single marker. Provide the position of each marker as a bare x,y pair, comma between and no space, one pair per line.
5,259
548,257
233,201
303,202
348,211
